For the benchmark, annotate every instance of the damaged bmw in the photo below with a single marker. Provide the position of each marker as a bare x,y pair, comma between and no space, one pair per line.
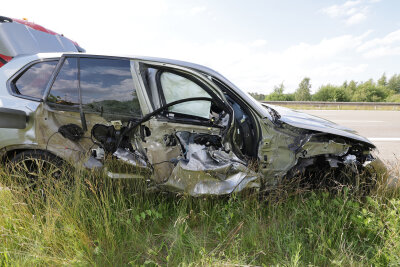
182,126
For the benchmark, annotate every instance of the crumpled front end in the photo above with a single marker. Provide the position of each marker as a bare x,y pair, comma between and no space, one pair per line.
287,151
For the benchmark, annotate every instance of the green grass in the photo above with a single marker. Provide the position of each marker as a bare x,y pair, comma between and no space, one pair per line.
103,223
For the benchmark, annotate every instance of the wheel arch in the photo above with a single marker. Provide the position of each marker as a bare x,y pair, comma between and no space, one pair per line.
10,152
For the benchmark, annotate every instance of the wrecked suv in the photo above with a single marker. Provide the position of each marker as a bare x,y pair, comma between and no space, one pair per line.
182,126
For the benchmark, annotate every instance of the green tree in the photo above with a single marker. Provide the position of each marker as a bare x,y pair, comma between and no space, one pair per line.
277,94
331,93
383,80
351,87
279,89
258,96
394,83
370,92
303,92
290,97
393,98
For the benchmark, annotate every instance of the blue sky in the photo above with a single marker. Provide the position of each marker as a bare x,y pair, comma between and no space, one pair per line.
256,44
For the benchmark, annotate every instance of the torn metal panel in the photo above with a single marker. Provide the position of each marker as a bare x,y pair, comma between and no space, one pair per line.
198,183
126,163
331,147
207,169
275,153
133,158
286,151
162,146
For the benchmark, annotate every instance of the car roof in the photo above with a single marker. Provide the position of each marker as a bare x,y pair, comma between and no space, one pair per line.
181,63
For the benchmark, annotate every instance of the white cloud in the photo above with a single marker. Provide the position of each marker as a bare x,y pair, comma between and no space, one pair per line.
388,45
356,18
337,69
382,51
259,43
252,64
351,12
259,68
389,39
342,10
198,10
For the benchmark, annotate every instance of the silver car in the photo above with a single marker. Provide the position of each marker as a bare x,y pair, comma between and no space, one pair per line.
182,126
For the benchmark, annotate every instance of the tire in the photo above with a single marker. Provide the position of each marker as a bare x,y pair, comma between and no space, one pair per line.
38,170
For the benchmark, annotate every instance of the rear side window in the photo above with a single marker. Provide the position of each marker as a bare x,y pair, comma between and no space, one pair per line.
107,86
34,80
65,88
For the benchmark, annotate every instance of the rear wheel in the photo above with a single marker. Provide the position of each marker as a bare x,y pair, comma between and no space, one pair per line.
38,170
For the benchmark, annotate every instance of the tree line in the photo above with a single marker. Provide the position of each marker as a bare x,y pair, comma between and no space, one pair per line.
383,90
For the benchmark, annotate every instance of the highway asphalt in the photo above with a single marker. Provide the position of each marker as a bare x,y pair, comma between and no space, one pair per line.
380,127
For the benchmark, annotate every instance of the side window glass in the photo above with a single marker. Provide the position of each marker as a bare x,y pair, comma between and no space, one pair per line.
65,88
176,87
34,80
107,87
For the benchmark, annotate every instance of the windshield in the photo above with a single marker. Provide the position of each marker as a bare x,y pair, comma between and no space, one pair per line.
246,97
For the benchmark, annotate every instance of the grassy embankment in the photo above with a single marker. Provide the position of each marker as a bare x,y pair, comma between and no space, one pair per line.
101,223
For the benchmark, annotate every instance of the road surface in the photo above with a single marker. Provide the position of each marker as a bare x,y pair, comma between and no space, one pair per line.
381,127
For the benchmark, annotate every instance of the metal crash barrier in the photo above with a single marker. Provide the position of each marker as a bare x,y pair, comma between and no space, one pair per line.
337,105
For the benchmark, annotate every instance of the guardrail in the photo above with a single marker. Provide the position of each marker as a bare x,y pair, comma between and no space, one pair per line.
337,105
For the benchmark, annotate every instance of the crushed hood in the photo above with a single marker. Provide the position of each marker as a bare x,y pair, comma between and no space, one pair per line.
306,121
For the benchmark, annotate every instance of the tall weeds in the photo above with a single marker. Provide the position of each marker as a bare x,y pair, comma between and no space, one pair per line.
96,221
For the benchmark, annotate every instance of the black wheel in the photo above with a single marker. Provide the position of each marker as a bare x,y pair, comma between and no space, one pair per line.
38,170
